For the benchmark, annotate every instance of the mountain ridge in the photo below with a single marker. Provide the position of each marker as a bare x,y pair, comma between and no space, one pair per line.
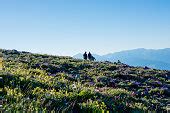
153,58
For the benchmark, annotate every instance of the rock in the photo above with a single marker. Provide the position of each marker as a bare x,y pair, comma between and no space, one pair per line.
146,67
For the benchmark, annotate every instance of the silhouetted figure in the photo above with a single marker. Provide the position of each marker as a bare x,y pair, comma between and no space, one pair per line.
90,57
85,56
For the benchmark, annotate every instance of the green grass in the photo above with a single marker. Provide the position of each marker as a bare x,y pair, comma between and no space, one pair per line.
56,83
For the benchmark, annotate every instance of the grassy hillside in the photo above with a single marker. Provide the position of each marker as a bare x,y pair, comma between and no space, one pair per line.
44,82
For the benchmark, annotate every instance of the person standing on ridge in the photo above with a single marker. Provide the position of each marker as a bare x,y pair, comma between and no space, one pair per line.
89,56
85,56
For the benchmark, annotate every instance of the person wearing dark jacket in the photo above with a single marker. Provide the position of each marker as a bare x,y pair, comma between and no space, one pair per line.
89,56
85,56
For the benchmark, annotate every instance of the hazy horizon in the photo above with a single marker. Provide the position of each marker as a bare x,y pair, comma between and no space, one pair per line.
70,27
37,52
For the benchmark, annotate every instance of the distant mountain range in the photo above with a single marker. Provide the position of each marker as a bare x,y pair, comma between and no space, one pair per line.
158,59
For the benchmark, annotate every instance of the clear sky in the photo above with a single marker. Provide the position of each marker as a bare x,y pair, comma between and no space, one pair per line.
68,27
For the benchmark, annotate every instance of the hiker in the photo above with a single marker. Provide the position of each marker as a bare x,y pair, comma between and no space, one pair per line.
89,56
85,56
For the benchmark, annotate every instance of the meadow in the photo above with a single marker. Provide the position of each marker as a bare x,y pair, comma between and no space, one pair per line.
41,82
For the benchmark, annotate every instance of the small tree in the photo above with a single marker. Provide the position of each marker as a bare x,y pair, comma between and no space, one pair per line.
119,62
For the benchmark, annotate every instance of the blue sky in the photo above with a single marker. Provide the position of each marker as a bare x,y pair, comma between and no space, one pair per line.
68,27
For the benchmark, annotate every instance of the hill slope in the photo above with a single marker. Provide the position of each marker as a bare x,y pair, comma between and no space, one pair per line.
158,59
43,82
